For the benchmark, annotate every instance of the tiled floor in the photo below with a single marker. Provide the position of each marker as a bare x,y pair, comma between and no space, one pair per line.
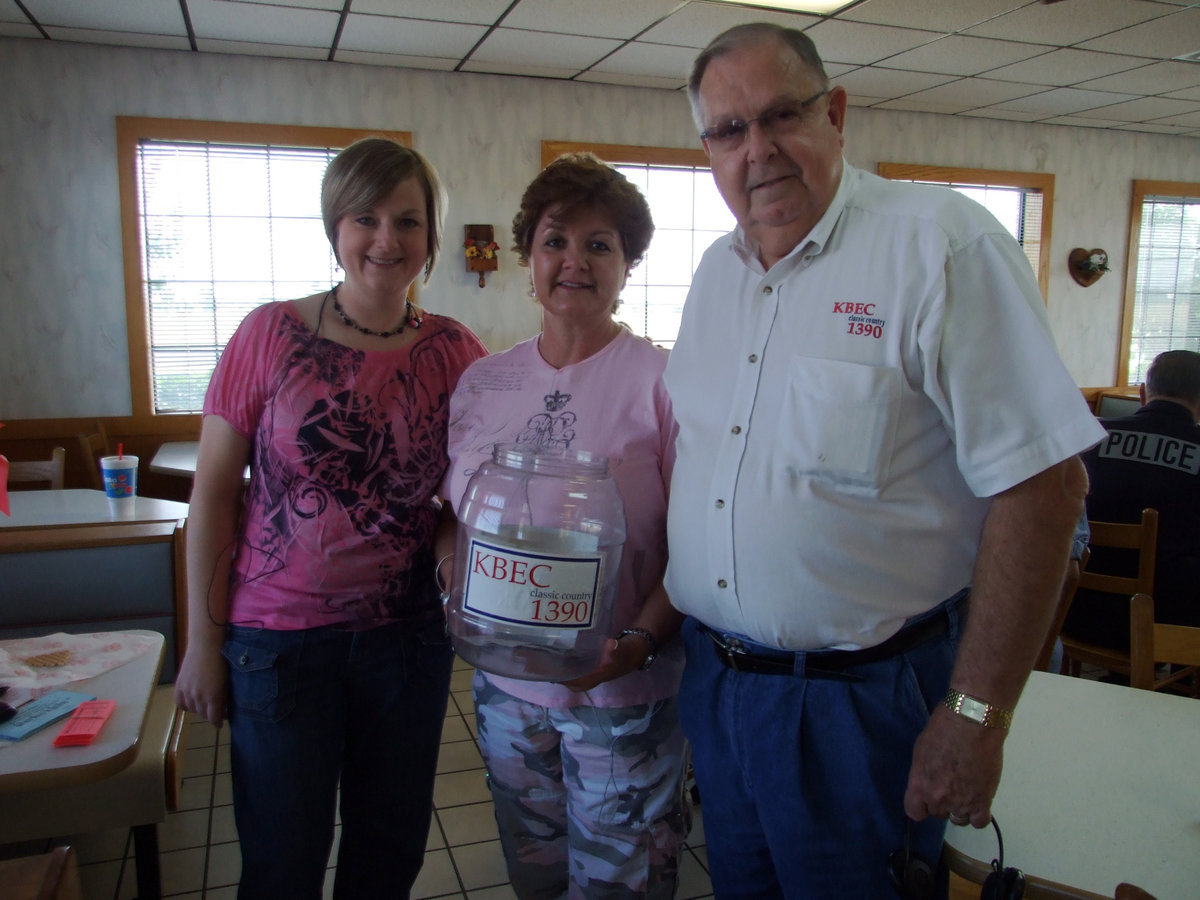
199,850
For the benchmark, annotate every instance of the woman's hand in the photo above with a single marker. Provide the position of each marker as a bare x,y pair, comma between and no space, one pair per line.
619,657
202,685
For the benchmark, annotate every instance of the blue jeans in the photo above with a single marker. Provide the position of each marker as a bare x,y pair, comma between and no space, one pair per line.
310,708
801,779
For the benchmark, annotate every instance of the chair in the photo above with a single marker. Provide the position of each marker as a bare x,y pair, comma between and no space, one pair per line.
41,470
137,797
1142,537
93,446
1065,596
1153,642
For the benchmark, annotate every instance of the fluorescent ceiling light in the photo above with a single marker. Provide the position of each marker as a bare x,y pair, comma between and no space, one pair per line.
806,6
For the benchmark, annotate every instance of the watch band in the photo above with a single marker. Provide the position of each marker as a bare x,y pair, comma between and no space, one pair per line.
977,710
649,639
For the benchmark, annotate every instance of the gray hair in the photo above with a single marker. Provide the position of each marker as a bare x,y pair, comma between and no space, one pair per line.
1175,373
753,33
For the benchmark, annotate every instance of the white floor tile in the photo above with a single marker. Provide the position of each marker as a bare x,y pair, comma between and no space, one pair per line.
480,865
437,877
458,788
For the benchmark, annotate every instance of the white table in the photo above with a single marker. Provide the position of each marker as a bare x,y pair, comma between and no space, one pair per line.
1100,786
179,458
85,507
34,763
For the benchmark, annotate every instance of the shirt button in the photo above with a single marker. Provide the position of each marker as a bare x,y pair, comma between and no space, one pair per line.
737,429
720,504
722,583
767,289
753,357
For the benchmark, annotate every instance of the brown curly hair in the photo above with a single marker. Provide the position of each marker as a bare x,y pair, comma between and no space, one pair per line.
584,181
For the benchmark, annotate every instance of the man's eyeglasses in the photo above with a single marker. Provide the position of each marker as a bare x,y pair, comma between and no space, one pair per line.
774,121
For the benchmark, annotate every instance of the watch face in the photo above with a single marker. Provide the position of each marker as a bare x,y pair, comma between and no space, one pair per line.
973,709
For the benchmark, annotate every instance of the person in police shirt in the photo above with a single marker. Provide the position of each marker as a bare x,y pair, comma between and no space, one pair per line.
1150,459
873,418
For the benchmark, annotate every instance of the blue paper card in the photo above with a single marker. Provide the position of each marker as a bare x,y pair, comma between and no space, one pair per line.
37,714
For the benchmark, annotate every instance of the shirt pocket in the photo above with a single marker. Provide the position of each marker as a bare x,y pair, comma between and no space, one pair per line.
838,422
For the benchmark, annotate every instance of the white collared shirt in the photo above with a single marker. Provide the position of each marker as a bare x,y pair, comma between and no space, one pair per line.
845,416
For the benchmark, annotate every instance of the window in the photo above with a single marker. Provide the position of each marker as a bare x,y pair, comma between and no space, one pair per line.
1162,287
689,215
217,218
1022,201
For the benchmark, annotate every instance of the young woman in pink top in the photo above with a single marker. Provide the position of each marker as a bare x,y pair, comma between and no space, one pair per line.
314,621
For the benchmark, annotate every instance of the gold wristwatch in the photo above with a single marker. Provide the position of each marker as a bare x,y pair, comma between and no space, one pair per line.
977,710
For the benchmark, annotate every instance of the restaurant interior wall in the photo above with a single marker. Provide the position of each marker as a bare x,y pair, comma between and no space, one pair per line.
63,349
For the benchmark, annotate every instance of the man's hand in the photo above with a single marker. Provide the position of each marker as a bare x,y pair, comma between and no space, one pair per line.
955,770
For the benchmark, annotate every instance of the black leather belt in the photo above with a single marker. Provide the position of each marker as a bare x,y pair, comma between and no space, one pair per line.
824,663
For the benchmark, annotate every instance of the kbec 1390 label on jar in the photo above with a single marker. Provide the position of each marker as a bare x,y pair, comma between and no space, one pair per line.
514,584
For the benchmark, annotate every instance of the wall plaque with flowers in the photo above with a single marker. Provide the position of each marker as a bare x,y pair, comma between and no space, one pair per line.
480,247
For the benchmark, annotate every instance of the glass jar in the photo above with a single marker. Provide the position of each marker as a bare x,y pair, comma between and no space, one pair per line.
536,563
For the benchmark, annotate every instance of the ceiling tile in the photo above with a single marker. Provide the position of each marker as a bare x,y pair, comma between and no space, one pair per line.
673,63
1164,38
1063,101
943,15
883,83
1076,122
1156,78
445,64
1066,67
959,55
18,30
613,18
518,68
1143,109
252,48
1009,115
698,23
387,34
596,76
469,12
1189,94
1188,120
543,50
972,93
143,16
1064,24
849,42
255,24
906,105
334,5
120,38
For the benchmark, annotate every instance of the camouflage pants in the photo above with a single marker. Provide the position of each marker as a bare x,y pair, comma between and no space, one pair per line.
589,802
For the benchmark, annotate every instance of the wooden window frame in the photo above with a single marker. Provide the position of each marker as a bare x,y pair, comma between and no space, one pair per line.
133,129
1040,181
1141,190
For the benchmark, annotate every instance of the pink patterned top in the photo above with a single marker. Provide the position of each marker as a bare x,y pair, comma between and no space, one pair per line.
349,448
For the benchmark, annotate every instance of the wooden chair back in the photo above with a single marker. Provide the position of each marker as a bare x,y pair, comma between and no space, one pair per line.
93,446
1153,642
1142,537
49,470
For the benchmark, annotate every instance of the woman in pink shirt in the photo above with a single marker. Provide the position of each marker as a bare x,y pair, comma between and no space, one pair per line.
314,621
586,777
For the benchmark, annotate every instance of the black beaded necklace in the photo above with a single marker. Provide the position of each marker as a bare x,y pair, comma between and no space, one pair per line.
412,319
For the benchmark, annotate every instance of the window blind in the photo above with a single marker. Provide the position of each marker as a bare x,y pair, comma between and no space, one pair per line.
223,229
1166,302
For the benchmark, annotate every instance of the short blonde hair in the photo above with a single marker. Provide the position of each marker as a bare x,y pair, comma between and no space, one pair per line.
364,173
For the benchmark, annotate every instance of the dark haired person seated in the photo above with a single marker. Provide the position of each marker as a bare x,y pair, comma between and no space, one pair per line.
1149,459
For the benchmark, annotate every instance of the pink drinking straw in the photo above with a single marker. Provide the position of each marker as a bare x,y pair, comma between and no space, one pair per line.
120,451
